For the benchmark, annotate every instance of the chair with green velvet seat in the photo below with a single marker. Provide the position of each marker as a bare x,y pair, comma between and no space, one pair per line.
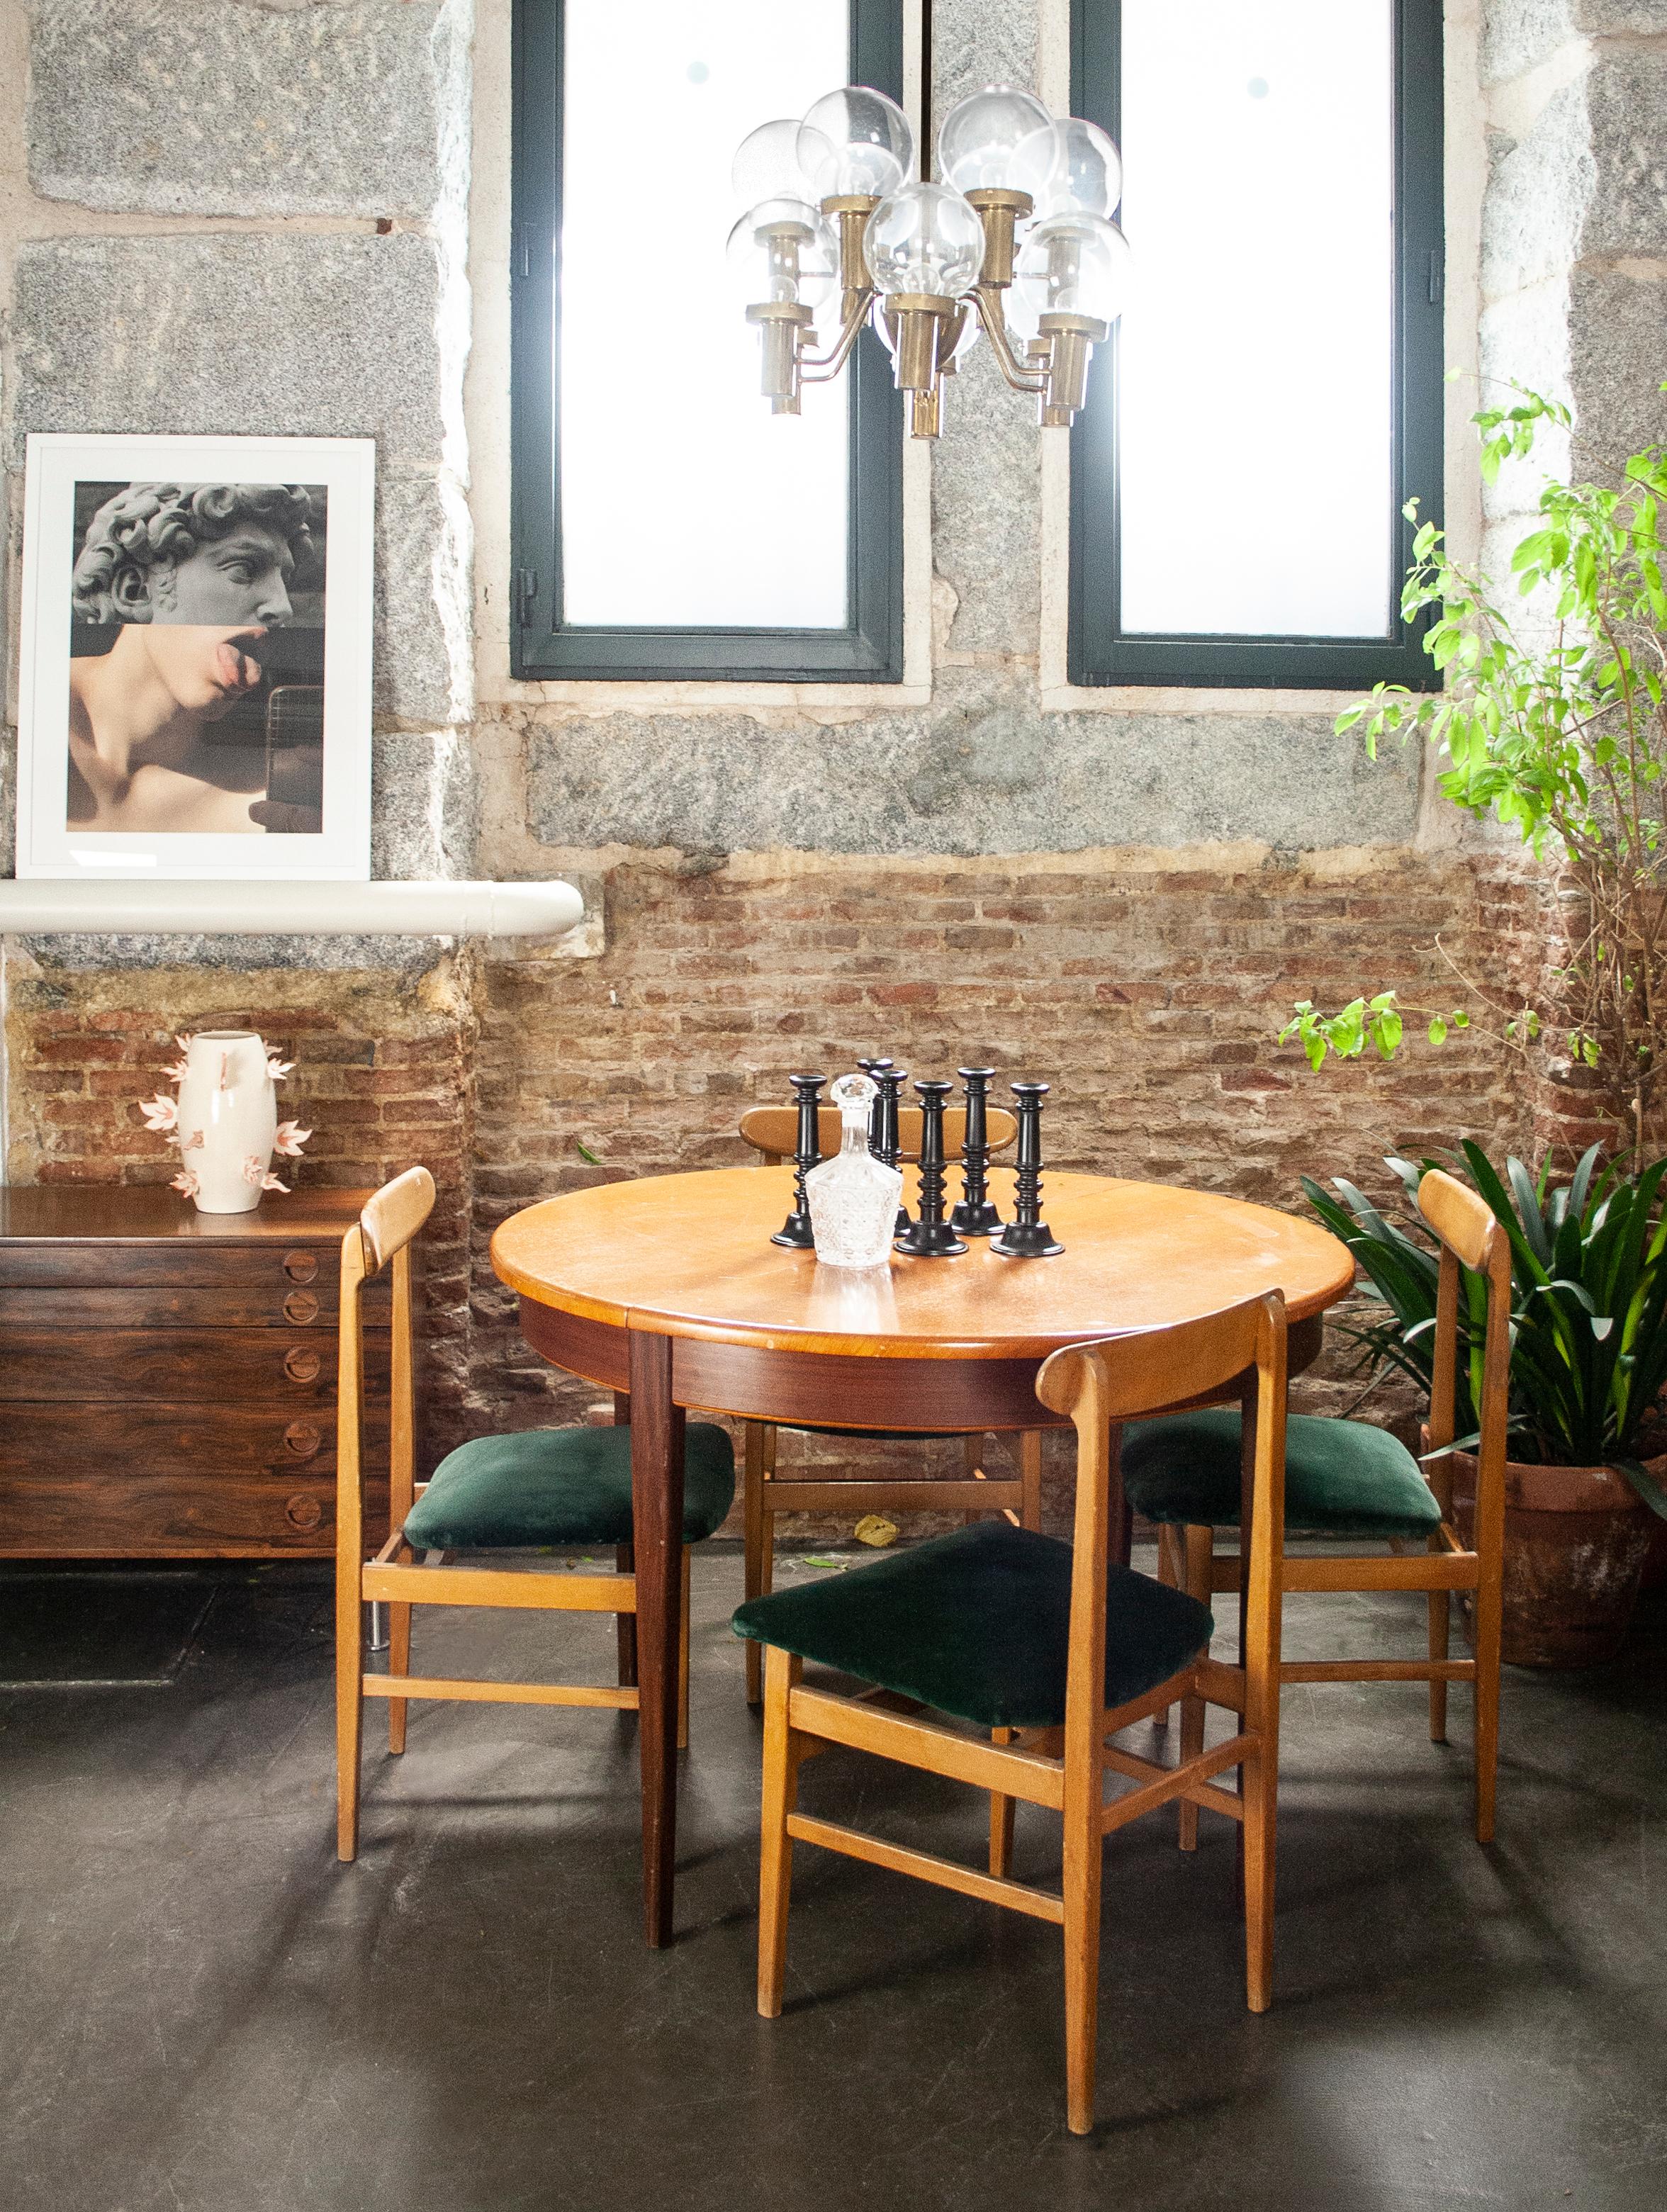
771,1131
1346,1479
547,1489
1044,1650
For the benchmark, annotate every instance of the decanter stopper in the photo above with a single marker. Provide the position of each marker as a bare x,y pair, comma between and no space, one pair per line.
853,1198
795,1231
931,1236
1027,1235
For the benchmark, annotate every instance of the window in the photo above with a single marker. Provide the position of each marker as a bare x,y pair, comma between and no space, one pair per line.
665,524
1272,396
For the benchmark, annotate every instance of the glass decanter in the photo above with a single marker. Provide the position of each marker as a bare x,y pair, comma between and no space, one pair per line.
853,1197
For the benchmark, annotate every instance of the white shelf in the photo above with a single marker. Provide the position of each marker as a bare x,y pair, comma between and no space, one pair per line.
40,907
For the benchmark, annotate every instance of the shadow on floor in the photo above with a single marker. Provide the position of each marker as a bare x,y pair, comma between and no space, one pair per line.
201,2009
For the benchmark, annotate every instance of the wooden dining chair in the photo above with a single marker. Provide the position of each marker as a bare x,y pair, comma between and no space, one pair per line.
1347,1479
773,1131
1048,1650
529,1492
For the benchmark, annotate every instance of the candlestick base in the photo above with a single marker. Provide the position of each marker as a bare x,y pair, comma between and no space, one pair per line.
1026,1240
982,1220
930,1239
796,1233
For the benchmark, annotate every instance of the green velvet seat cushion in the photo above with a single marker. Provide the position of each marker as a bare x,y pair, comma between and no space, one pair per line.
977,1624
1341,1478
560,1486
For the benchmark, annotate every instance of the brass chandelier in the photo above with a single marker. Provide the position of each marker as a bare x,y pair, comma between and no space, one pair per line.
1017,240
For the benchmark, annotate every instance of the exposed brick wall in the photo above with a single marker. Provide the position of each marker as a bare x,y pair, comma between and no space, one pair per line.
1149,998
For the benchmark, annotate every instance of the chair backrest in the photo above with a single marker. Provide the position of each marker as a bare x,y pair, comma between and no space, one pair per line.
383,1233
1096,1386
1470,1236
774,1131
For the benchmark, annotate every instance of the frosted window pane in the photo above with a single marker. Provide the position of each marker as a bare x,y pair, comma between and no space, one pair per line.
1255,357
684,502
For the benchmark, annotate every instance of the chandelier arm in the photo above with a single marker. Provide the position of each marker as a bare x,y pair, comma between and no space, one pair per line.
822,369
989,315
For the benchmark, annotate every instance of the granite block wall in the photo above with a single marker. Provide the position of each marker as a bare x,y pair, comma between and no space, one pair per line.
232,215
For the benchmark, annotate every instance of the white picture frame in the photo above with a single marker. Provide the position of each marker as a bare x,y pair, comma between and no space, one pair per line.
245,604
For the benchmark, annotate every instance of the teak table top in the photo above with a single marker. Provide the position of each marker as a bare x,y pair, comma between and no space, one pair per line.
690,1255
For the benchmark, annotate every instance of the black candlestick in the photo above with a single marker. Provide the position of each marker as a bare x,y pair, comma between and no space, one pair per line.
796,1230
931,1237
976,1215
890,1079
1027,1235
872,1069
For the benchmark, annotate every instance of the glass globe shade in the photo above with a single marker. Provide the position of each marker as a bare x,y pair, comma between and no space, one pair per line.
767,243
924,239
766,164
1071,167
981,137
855,140
1071,265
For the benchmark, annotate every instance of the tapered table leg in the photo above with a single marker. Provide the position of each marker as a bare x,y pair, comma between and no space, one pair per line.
657,1516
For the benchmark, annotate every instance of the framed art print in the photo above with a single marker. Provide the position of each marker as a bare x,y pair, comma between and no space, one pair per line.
194,695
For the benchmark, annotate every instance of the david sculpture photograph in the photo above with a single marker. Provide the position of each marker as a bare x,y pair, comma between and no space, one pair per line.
197,668
195,684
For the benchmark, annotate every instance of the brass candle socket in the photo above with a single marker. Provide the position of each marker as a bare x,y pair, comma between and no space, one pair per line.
1000,210
780,322
919,317
1071,342
849,213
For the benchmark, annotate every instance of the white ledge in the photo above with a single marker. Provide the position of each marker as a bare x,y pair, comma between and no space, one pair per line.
40,906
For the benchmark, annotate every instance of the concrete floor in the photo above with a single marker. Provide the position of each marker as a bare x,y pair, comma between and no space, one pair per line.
201,2010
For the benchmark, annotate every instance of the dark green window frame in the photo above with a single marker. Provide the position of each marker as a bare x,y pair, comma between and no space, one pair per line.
1097,650
545,647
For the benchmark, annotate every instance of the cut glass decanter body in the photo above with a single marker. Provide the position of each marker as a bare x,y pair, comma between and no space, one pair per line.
853,1197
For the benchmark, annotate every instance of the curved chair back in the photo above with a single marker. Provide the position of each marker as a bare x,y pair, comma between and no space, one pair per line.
1470,1236
774,1131
383,1233
1096,1386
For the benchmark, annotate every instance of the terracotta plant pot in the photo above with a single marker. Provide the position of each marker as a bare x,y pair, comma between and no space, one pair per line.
1575,1542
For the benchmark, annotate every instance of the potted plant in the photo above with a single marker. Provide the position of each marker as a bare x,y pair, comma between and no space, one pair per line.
1551,720
1587,1466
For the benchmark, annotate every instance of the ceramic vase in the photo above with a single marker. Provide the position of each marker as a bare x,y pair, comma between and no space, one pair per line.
224,1120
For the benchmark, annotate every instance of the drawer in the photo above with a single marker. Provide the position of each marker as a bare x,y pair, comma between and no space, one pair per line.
107,1263
179,1517
239,1366
141,1441
235,1305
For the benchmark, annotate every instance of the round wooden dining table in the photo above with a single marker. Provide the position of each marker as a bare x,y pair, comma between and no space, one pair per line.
669,1291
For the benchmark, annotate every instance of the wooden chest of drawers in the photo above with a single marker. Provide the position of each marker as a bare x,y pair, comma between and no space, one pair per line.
168,1378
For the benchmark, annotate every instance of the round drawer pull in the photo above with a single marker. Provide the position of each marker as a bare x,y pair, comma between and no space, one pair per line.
300,1266
301,1438
301,1511
300,1307
302,1366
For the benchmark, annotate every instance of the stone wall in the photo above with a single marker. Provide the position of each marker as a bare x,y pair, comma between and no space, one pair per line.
227,216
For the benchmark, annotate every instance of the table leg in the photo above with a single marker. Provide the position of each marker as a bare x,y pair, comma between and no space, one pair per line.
657,1427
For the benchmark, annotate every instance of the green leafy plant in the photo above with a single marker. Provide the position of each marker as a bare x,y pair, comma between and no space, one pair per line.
1552,721
1588,1304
